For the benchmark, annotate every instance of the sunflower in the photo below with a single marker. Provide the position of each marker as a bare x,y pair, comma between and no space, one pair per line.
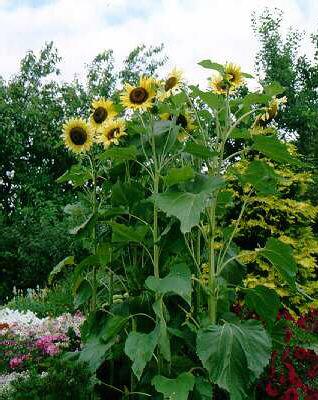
270,113
101,110
219,85
233,75
139,97
110,132
77,135
171,84
185,122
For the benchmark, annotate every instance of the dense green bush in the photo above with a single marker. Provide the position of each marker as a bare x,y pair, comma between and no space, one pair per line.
62,380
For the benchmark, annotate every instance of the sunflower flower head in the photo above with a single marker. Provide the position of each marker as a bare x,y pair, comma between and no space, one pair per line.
227,81
219,85
77,135
171,84
233,75
101,111
110,132
139,97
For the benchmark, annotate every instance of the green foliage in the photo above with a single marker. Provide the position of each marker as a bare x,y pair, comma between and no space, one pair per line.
280,59
234,355
140,347
264,301
52,301
280,255
72,379
178,281
177,389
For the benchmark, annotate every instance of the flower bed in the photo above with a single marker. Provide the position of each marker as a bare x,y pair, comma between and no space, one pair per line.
26,340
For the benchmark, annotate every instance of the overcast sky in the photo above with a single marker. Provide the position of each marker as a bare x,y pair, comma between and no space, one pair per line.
191,30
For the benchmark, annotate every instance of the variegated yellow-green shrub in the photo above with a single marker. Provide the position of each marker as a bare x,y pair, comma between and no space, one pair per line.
291,220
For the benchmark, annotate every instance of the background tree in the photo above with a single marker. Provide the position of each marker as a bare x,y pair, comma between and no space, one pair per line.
280,59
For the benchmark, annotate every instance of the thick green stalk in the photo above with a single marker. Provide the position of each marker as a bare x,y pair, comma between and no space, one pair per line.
156,177
212,300
94,206
155,230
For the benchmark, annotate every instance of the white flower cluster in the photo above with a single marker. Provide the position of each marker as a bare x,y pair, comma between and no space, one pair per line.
27,324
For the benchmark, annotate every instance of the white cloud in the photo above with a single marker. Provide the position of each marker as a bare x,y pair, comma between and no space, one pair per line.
190,29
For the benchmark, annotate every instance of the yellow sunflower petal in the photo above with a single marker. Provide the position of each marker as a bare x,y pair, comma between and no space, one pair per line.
139,97
111,132
234,75
219,85
101,111
77,135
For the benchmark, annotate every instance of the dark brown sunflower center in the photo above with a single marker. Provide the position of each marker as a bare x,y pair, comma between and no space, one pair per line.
170,83
138,95
112,133
78,135
180,121
100,114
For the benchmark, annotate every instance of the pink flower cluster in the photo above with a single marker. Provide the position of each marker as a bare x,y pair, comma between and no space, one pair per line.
49,344
16,362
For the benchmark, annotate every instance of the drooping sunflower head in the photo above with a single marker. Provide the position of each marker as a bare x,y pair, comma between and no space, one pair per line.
184,121
233,75
262,120
139,97
101,111
110,132
174,80
78,136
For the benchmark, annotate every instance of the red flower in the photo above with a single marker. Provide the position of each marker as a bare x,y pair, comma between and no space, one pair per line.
301,354
313,372
285,354
284,314
292,376
282,379
271,390
291,394
288,335
311,394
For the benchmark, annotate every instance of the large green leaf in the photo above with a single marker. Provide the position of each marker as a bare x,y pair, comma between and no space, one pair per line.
163,337
119,153
177,175
124,233
77,174
273,89
261,176
264,301
212,65
83,226
139,347
59,267
281,257
126,194
211,99
187,207
100,338
199,150
178,281
176,389
274,149
203,389
234,355
83,293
